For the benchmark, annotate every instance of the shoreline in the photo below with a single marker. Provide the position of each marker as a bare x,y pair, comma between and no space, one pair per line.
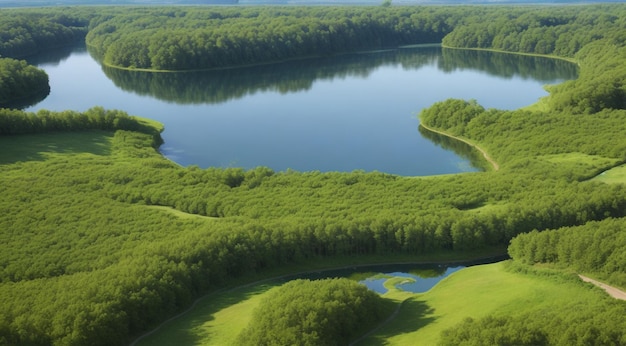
494,164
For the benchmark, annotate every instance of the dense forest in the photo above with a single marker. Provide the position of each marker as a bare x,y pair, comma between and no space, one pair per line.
102,238
187,40
21,83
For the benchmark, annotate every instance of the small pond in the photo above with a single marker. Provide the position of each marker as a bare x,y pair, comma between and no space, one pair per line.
420,277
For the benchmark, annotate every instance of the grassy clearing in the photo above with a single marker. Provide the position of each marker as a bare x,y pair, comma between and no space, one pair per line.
590,162
39,147
217,320
580,166
472,292
180,214
616,175
487,208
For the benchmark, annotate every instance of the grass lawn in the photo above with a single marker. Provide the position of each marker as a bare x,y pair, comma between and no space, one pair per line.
472,292
217,323
615,175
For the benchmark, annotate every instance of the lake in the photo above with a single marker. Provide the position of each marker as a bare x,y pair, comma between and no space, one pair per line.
342,113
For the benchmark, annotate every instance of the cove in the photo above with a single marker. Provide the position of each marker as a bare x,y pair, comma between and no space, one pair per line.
341,113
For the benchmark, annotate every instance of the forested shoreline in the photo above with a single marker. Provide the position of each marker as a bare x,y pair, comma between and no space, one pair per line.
21,83
87,260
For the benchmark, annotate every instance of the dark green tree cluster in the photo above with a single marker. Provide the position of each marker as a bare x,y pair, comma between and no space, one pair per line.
185,39
321,312
597,248
561,31
28,32
451,115
576,324
602,82
19,81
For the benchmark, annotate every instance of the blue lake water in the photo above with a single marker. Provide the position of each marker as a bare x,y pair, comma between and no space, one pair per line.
343,113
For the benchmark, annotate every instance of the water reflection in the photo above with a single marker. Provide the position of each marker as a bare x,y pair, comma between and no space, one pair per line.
419,277
55,56
462,149
27,101
413,283
217,86
507,65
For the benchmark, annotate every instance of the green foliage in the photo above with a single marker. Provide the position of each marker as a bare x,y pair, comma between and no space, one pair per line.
596,247
602,83
28,32
560,31
322,312
493,331
566,322
19,81
452,115
85,258
16,122
203,38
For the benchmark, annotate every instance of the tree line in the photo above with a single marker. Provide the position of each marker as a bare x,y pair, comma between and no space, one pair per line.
26,32
187,39
17,122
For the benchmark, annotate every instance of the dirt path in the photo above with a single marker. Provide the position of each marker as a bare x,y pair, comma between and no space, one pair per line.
612,291
493,163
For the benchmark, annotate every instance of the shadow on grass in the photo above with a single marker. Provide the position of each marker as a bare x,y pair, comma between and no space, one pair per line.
37,147
194,327
413,315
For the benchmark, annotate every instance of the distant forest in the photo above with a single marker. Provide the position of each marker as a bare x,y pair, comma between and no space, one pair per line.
42,3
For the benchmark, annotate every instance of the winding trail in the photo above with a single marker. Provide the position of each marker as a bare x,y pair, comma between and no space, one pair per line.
493,163
612,291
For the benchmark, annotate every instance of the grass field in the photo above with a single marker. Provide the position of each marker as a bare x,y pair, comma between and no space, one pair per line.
472,292
217,323
615,175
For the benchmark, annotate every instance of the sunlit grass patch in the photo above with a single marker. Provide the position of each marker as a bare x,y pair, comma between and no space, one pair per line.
616,175
580,158
580,164
216,320
179,213
475,292
488,208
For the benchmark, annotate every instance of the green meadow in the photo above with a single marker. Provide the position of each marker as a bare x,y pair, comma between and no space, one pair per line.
473,292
